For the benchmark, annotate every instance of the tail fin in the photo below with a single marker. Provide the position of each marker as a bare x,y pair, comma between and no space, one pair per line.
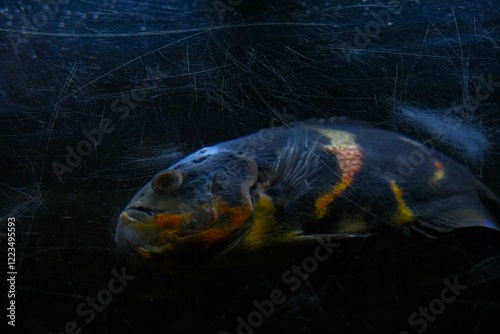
492,205
476,206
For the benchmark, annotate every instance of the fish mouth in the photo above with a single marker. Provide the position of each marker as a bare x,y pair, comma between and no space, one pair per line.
136,231
150,232
136,215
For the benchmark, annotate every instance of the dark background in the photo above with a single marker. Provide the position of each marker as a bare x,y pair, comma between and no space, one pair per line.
195,75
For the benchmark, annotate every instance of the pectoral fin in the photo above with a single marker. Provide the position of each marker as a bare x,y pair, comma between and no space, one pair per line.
295,168
322,238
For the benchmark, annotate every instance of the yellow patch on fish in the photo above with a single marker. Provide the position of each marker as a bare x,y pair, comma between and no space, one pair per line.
349,157
352,224
263,219
404,215
439,172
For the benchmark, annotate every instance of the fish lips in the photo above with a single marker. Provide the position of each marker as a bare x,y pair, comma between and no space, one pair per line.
131,227
148,234
134,216
135,229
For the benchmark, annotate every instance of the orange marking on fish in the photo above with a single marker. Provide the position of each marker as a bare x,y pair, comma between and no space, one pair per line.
144,253
213,235
171,221
439,173
349,160
238,214
222,230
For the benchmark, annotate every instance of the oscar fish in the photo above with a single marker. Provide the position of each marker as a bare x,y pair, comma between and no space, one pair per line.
293,185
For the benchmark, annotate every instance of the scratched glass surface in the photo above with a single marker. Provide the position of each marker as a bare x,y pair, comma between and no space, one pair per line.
96,97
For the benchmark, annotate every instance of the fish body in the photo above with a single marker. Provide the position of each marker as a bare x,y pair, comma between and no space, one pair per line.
300,184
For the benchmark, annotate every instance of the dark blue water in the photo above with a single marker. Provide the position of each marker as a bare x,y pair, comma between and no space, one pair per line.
148,82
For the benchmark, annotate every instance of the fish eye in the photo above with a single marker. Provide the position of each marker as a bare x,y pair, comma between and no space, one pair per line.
167,181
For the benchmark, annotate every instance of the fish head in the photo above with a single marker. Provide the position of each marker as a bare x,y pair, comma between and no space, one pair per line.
195,208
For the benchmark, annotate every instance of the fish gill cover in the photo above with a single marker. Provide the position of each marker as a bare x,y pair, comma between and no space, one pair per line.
96,97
